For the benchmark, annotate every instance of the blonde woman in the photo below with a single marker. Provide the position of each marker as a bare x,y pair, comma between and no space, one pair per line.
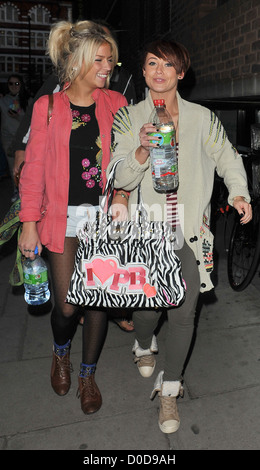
65,163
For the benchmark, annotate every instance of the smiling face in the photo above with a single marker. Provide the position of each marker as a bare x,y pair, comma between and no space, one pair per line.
98,74
160,75
14,85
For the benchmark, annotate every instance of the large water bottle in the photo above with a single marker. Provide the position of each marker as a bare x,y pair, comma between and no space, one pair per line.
164,163
36,284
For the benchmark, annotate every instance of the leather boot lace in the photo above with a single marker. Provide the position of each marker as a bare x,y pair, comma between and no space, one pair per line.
88,387
63,365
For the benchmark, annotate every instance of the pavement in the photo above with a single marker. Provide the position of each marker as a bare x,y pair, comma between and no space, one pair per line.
221,406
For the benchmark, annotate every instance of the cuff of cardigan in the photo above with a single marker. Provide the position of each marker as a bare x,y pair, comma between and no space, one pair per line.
135,165
242,192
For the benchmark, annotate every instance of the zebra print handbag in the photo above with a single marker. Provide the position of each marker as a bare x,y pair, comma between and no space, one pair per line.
129,264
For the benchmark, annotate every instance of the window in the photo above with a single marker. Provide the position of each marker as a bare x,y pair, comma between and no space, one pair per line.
38,40
9,38
2,38
41,65
40,15
20,64
2,64
9,13
10,64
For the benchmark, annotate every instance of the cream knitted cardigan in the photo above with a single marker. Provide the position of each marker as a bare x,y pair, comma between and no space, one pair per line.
203,147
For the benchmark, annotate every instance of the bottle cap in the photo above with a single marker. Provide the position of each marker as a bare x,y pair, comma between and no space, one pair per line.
36,250
159,102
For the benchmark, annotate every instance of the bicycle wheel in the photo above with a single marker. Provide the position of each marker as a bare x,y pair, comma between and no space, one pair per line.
244,251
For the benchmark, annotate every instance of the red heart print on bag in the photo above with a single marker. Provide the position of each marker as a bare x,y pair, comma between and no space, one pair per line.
103,270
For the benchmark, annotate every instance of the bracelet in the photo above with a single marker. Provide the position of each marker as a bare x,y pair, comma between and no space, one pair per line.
123,195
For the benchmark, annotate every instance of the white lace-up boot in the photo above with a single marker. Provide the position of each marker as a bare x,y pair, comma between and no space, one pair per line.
169,420
144,358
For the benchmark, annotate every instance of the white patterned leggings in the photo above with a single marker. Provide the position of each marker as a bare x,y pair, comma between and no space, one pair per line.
180,323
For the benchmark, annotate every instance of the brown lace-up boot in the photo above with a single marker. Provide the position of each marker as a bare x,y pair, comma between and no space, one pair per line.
60,371
88,391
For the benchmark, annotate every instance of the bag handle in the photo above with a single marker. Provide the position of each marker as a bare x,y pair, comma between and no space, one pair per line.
109,189
106,201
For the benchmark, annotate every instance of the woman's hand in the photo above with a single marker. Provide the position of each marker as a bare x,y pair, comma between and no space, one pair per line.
146,142
243,208
29,239
13,114
119,206
119,212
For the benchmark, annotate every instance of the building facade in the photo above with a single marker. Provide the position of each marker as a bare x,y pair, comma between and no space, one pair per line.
222,36
24,30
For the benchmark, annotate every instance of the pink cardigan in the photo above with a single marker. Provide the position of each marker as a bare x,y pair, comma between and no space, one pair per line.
44,182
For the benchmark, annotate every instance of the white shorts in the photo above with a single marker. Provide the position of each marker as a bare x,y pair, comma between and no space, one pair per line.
77,216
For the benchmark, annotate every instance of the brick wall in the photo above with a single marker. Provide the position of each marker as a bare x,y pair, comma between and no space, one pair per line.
225,50
223,38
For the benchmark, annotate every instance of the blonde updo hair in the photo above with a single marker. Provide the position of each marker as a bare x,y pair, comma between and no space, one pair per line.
70,45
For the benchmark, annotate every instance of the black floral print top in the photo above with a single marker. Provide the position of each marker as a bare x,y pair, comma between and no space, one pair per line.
85,157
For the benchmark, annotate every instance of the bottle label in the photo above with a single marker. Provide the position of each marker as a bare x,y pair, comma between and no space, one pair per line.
35,279
167,138
159,168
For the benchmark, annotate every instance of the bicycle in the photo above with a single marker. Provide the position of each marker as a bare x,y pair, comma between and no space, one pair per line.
244,246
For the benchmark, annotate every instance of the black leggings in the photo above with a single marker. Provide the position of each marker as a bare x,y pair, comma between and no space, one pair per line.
65,316
180,323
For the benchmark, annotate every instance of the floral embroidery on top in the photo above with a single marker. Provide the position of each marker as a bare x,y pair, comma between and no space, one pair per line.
91,170
79,119
91,175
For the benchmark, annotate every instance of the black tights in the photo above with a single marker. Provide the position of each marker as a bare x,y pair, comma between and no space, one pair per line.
65,316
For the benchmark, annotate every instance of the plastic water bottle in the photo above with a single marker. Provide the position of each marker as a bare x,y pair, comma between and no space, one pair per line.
36,284
164,163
